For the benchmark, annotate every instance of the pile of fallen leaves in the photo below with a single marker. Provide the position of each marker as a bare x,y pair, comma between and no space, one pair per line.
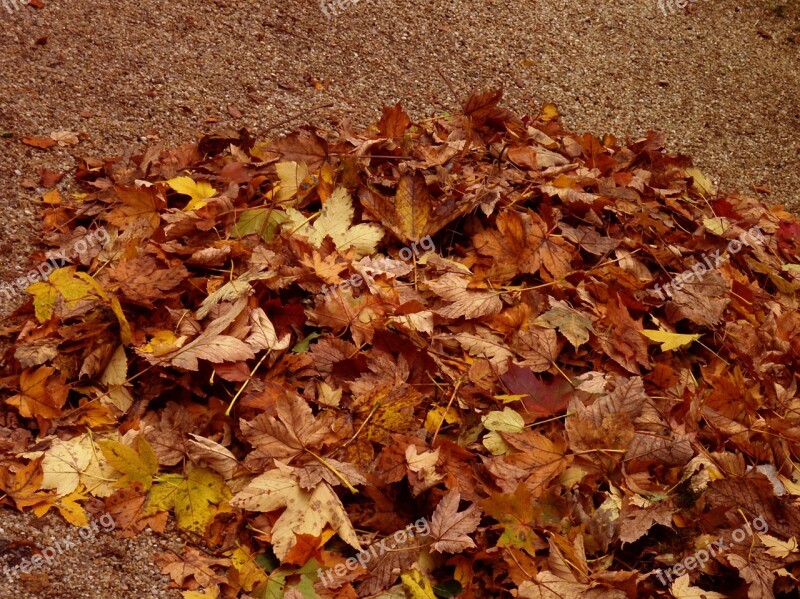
302,346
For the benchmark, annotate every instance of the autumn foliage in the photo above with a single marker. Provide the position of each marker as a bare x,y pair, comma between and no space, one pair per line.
565,430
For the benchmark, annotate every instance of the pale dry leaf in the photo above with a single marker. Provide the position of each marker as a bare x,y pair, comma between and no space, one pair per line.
464,302
206,452
305,513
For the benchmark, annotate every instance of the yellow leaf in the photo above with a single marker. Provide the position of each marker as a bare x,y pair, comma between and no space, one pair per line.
199,192
549,112
209,593
52,197
509,398
700,183
250,573
335,220
70,285
138,465
717,225
435,416
44,300
670,341
683,589
193,497
116,373
416,585
162,343
124,327
507,421
72,511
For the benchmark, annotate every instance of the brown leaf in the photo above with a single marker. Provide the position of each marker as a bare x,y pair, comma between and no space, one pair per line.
413,213
463,301
394,122
42,143
450,528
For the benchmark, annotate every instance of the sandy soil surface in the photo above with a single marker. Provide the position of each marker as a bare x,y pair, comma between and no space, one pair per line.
720,78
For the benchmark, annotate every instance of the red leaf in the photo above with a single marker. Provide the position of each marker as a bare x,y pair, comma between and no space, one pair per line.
542,399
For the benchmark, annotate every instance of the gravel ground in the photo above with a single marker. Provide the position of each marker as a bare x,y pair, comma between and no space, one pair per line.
720,78
101,566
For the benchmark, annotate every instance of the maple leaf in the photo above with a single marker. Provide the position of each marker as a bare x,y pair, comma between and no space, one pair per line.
286,437
65,283
682,589
140,209
192,496
335,221
539,346
263,222
487,345
211,345
42,393
450,528
413,214
621,340
342,311
569,322
127,507
463,301
515,513
249,573
294,178
198,192
191,564
305,513
546,585
507,421
515,236
702,302
63,465
138,465
394,121
535,459
141,281
71,510
635,521
417,585
23,486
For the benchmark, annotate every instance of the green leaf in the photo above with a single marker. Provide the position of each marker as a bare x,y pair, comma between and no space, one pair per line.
260,221
303,345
